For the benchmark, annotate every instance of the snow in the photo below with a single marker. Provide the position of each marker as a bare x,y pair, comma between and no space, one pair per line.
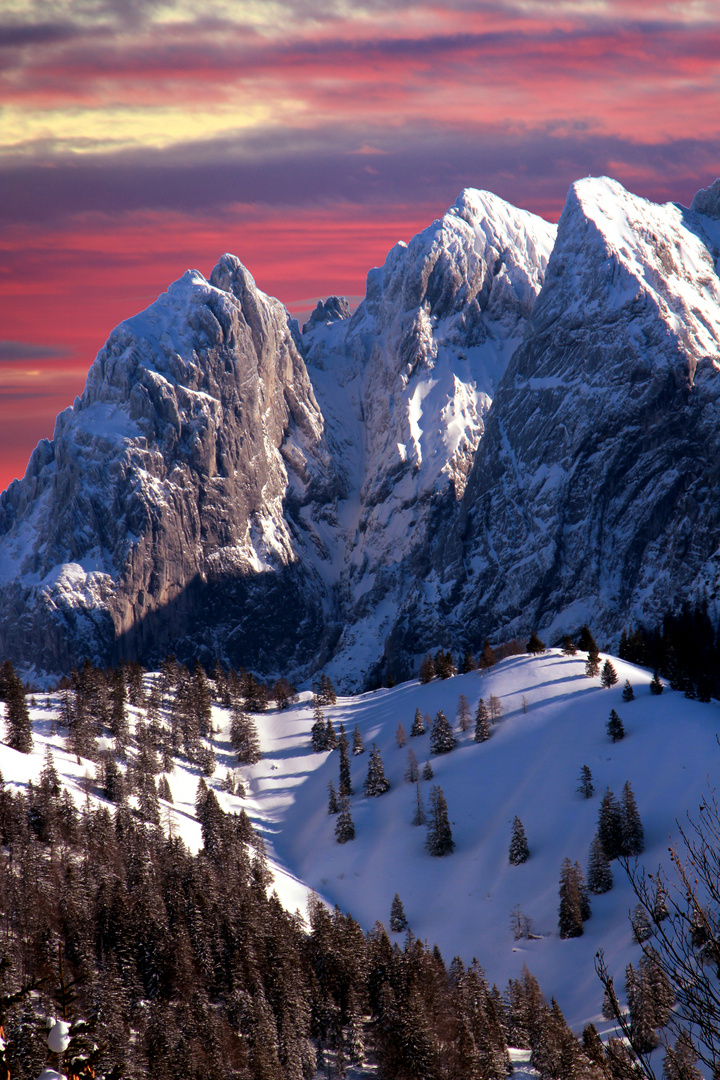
660,252
553,722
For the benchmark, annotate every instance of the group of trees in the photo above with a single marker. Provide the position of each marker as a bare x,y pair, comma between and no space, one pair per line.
183,965
443,665
675,985
619,834
684,649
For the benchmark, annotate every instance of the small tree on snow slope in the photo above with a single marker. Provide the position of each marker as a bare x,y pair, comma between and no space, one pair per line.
376,782
442,740
519,851
439,835
398,920
418,726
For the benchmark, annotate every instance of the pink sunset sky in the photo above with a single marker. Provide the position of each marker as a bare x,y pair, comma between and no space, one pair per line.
142,137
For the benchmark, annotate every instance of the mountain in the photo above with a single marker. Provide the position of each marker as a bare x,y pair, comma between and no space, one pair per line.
418,366
592,495
176,506
515,429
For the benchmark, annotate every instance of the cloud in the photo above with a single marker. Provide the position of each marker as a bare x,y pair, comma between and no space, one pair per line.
532,168
28,350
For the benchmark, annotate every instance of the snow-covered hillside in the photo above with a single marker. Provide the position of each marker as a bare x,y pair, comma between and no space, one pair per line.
553,722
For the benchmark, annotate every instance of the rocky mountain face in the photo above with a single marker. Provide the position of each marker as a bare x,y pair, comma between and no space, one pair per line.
515,429
176,505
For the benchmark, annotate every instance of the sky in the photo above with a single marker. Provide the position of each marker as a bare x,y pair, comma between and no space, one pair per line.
142,137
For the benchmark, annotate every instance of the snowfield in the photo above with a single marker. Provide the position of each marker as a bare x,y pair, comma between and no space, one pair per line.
553,722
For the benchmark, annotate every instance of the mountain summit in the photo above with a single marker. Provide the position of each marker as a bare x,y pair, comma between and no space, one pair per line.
515,429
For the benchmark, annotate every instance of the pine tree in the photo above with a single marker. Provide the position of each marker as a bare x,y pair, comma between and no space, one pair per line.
330,736
344,827
326,691
400,736
113,780
628,693
333,805
468,664
244,737
376,782
17,717
442,740
614,727
586,642
284,693
535,645
586,787
463,713
599,874
568,646
610,825
608,676
412,772
482,722
318,736
439,835
583,890
641,925
164,789
640,1009
201,699
346,787
592,664
358,747
487,657
427,773
418,727
398,921
570,911
444,664
519,851
149,804
427,669
680,1061
633,835
656,686
419,817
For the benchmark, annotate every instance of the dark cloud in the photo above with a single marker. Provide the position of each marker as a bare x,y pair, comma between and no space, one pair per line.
17,35
27,350
287,169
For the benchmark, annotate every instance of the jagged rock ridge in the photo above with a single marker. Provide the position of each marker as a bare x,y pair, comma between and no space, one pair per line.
512,430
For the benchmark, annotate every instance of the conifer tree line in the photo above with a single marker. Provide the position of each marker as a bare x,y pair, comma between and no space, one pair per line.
443,665
684,649
180,965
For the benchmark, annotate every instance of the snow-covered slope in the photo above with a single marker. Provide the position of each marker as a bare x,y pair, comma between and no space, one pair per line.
553,722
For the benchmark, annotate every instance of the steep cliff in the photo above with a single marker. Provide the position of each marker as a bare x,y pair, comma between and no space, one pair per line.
171,508
593,495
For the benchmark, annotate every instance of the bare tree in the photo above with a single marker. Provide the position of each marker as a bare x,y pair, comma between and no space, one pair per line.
683,912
